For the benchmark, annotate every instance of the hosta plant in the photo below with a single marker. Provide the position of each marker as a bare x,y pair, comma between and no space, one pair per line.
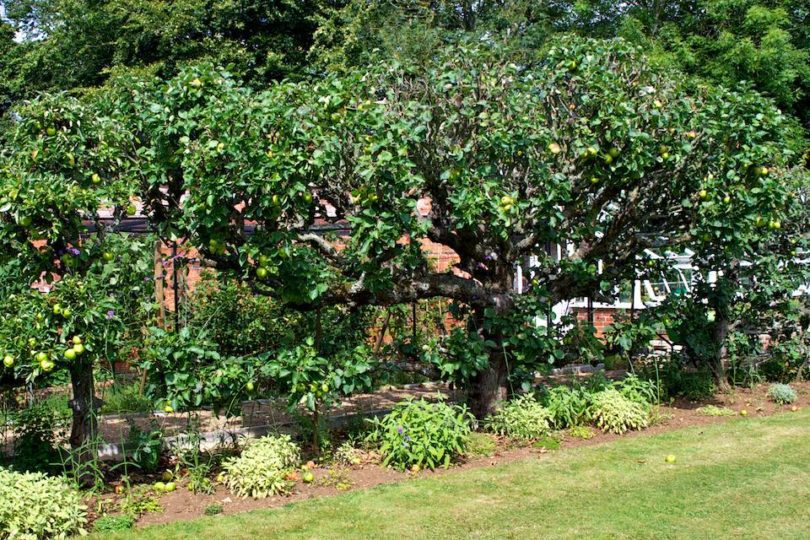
522,418
263,467
782,394
421,433
614,413
33,505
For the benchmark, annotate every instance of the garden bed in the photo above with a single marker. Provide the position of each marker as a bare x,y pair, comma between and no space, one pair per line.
184,505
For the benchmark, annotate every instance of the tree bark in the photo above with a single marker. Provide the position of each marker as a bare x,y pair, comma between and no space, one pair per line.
489,387
85,424
718,362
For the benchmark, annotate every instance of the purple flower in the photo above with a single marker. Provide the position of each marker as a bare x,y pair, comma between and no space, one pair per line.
110,314
400,430
74,251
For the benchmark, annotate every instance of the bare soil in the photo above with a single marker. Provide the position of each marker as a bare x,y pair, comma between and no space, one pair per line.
184,505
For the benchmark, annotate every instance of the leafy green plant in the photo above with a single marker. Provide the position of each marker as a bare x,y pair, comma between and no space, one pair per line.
213,509
38,434
126,398
422,433
782,394
522,418
139,500
337,478
146,446
714,410
113,523
481,444
612,412
263,467
314,381
581,432
637,390
568,406
346,454
33,505
186,370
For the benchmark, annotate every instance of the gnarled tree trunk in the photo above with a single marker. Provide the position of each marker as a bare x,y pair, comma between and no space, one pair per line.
85,424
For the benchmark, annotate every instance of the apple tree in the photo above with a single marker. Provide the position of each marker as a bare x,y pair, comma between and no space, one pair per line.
585,146
60,170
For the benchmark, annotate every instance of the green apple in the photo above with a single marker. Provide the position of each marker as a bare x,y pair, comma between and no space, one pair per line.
46,366
76,340
614,152
308,477
276,200
726,199
78,349
703,194
594,179
168,409
32,343
261,272
264,260
249,386
132,210
592,151
554,148
8,361
170,486
167,476
96,179
670,458
107,256
51,131
608,159
66,312
70,354
41,357
159,486
665,156
775,224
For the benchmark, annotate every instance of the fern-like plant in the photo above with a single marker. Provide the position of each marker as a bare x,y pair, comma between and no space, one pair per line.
612,412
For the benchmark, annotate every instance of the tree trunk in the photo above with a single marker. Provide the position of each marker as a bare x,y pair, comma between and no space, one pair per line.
489,386
718,362
85,424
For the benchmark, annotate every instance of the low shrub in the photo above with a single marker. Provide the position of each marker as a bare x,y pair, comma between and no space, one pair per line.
422,433
126,398
213,509
581,432
522,418
480,444
263,467
714,410
347,454
33,505
567,406
638,390
614,413
113,523
782,394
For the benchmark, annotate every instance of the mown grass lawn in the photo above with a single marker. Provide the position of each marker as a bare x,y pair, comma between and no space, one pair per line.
745,478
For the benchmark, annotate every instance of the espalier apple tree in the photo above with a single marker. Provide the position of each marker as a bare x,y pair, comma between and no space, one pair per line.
60,169
585,146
